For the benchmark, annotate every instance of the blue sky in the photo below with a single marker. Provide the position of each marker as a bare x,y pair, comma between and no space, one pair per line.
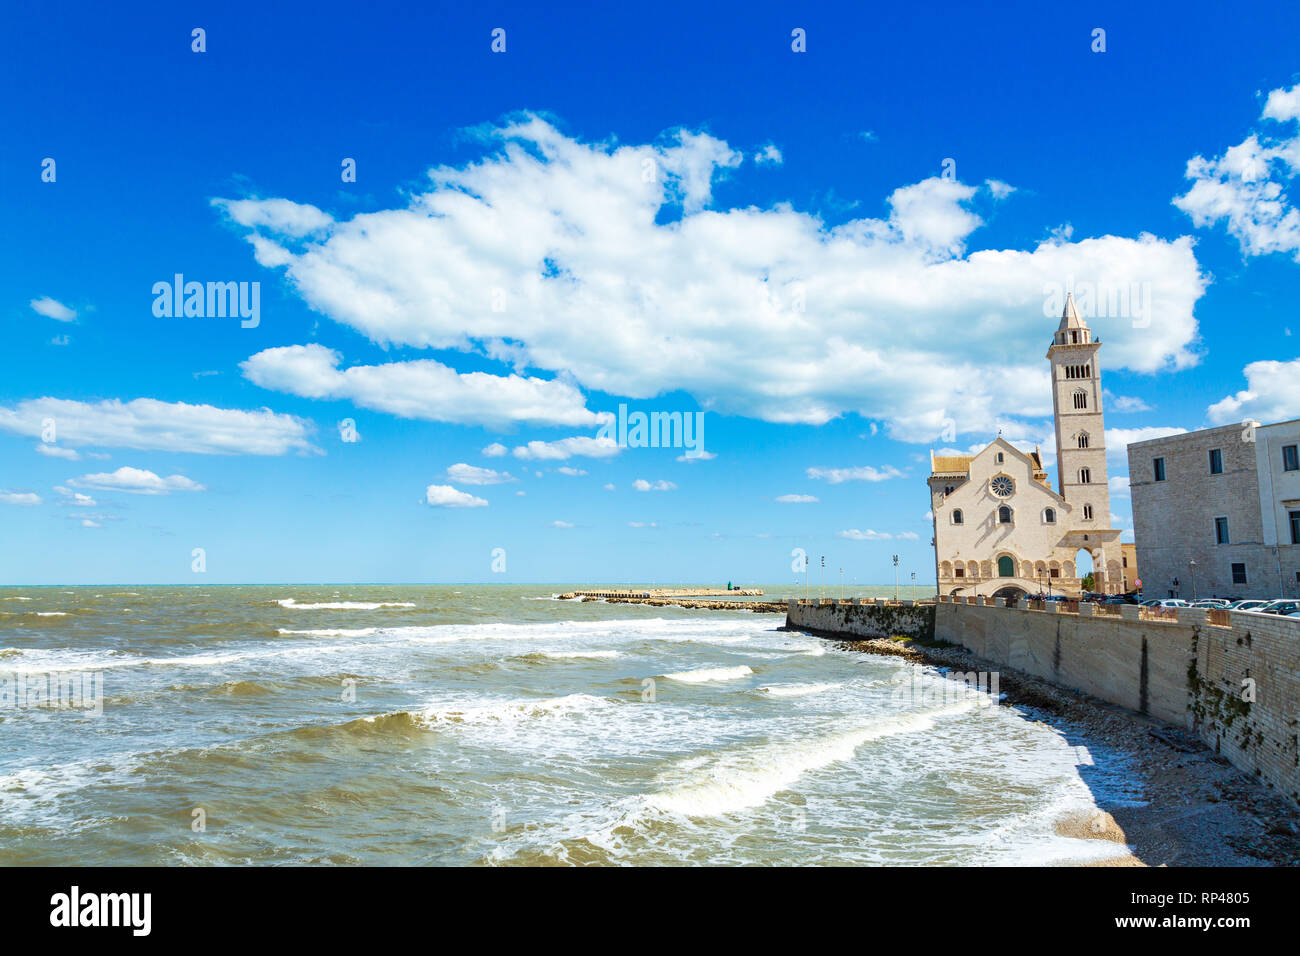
671,210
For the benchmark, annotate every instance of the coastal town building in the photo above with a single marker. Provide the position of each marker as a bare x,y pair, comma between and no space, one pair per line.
1129,566
999,528
1216,512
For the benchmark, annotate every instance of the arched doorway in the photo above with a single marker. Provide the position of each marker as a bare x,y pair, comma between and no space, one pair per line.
1082,567
1010,593
1006,566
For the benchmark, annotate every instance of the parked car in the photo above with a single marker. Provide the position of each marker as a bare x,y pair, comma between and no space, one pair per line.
1252,605
1211,602
1172,602
1280,607
1151,602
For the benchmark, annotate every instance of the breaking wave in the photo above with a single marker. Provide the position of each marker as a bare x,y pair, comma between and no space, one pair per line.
707,675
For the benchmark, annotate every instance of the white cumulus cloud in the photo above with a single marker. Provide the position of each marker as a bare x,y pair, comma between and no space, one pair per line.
422,389
1118,440
53,309
637,285
1272,393
568,447
1244,188
472,475
146,424
54,451
22,498
136,481
642,485
863,473
445,496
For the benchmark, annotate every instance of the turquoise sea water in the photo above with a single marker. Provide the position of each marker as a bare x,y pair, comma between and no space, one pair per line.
480,724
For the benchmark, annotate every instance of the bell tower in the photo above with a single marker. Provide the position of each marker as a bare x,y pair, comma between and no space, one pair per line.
1080,425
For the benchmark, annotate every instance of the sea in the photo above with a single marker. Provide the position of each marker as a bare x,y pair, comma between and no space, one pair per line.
500,725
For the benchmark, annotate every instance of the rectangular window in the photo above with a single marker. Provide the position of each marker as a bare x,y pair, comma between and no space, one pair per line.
1221,530
1159,466
960,572
1238,573
1056,572
1216,461
1290,458
1295,527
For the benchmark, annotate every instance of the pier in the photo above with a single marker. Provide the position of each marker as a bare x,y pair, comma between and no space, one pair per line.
665,593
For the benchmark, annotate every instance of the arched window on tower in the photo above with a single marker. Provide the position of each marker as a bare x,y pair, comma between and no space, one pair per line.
1085,476
956,516
1049,516
1087,512
1004,515
1083,439
1080,399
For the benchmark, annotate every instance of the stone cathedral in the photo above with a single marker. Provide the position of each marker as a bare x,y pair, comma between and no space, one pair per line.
999,528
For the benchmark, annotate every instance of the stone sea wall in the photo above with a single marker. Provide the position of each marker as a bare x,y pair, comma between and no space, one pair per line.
863,618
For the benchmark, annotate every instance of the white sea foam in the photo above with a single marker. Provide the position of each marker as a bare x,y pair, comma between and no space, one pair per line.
437,715
579,655
49,613
333,632
61,660
798,690
342,605
748,777
708,674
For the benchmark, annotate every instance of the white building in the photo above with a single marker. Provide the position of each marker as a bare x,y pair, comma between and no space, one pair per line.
999,528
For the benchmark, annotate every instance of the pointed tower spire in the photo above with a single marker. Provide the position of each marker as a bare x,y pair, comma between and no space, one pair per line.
1070,316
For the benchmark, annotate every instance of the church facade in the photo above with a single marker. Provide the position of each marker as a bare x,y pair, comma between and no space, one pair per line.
999,527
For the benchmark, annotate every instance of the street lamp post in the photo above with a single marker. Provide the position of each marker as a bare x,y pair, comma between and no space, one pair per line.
1192,565
895,578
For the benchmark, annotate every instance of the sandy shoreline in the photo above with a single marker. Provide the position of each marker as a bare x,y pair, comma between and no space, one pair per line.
1199,810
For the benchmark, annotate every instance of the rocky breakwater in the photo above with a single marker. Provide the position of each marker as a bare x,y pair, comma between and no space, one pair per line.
759,607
